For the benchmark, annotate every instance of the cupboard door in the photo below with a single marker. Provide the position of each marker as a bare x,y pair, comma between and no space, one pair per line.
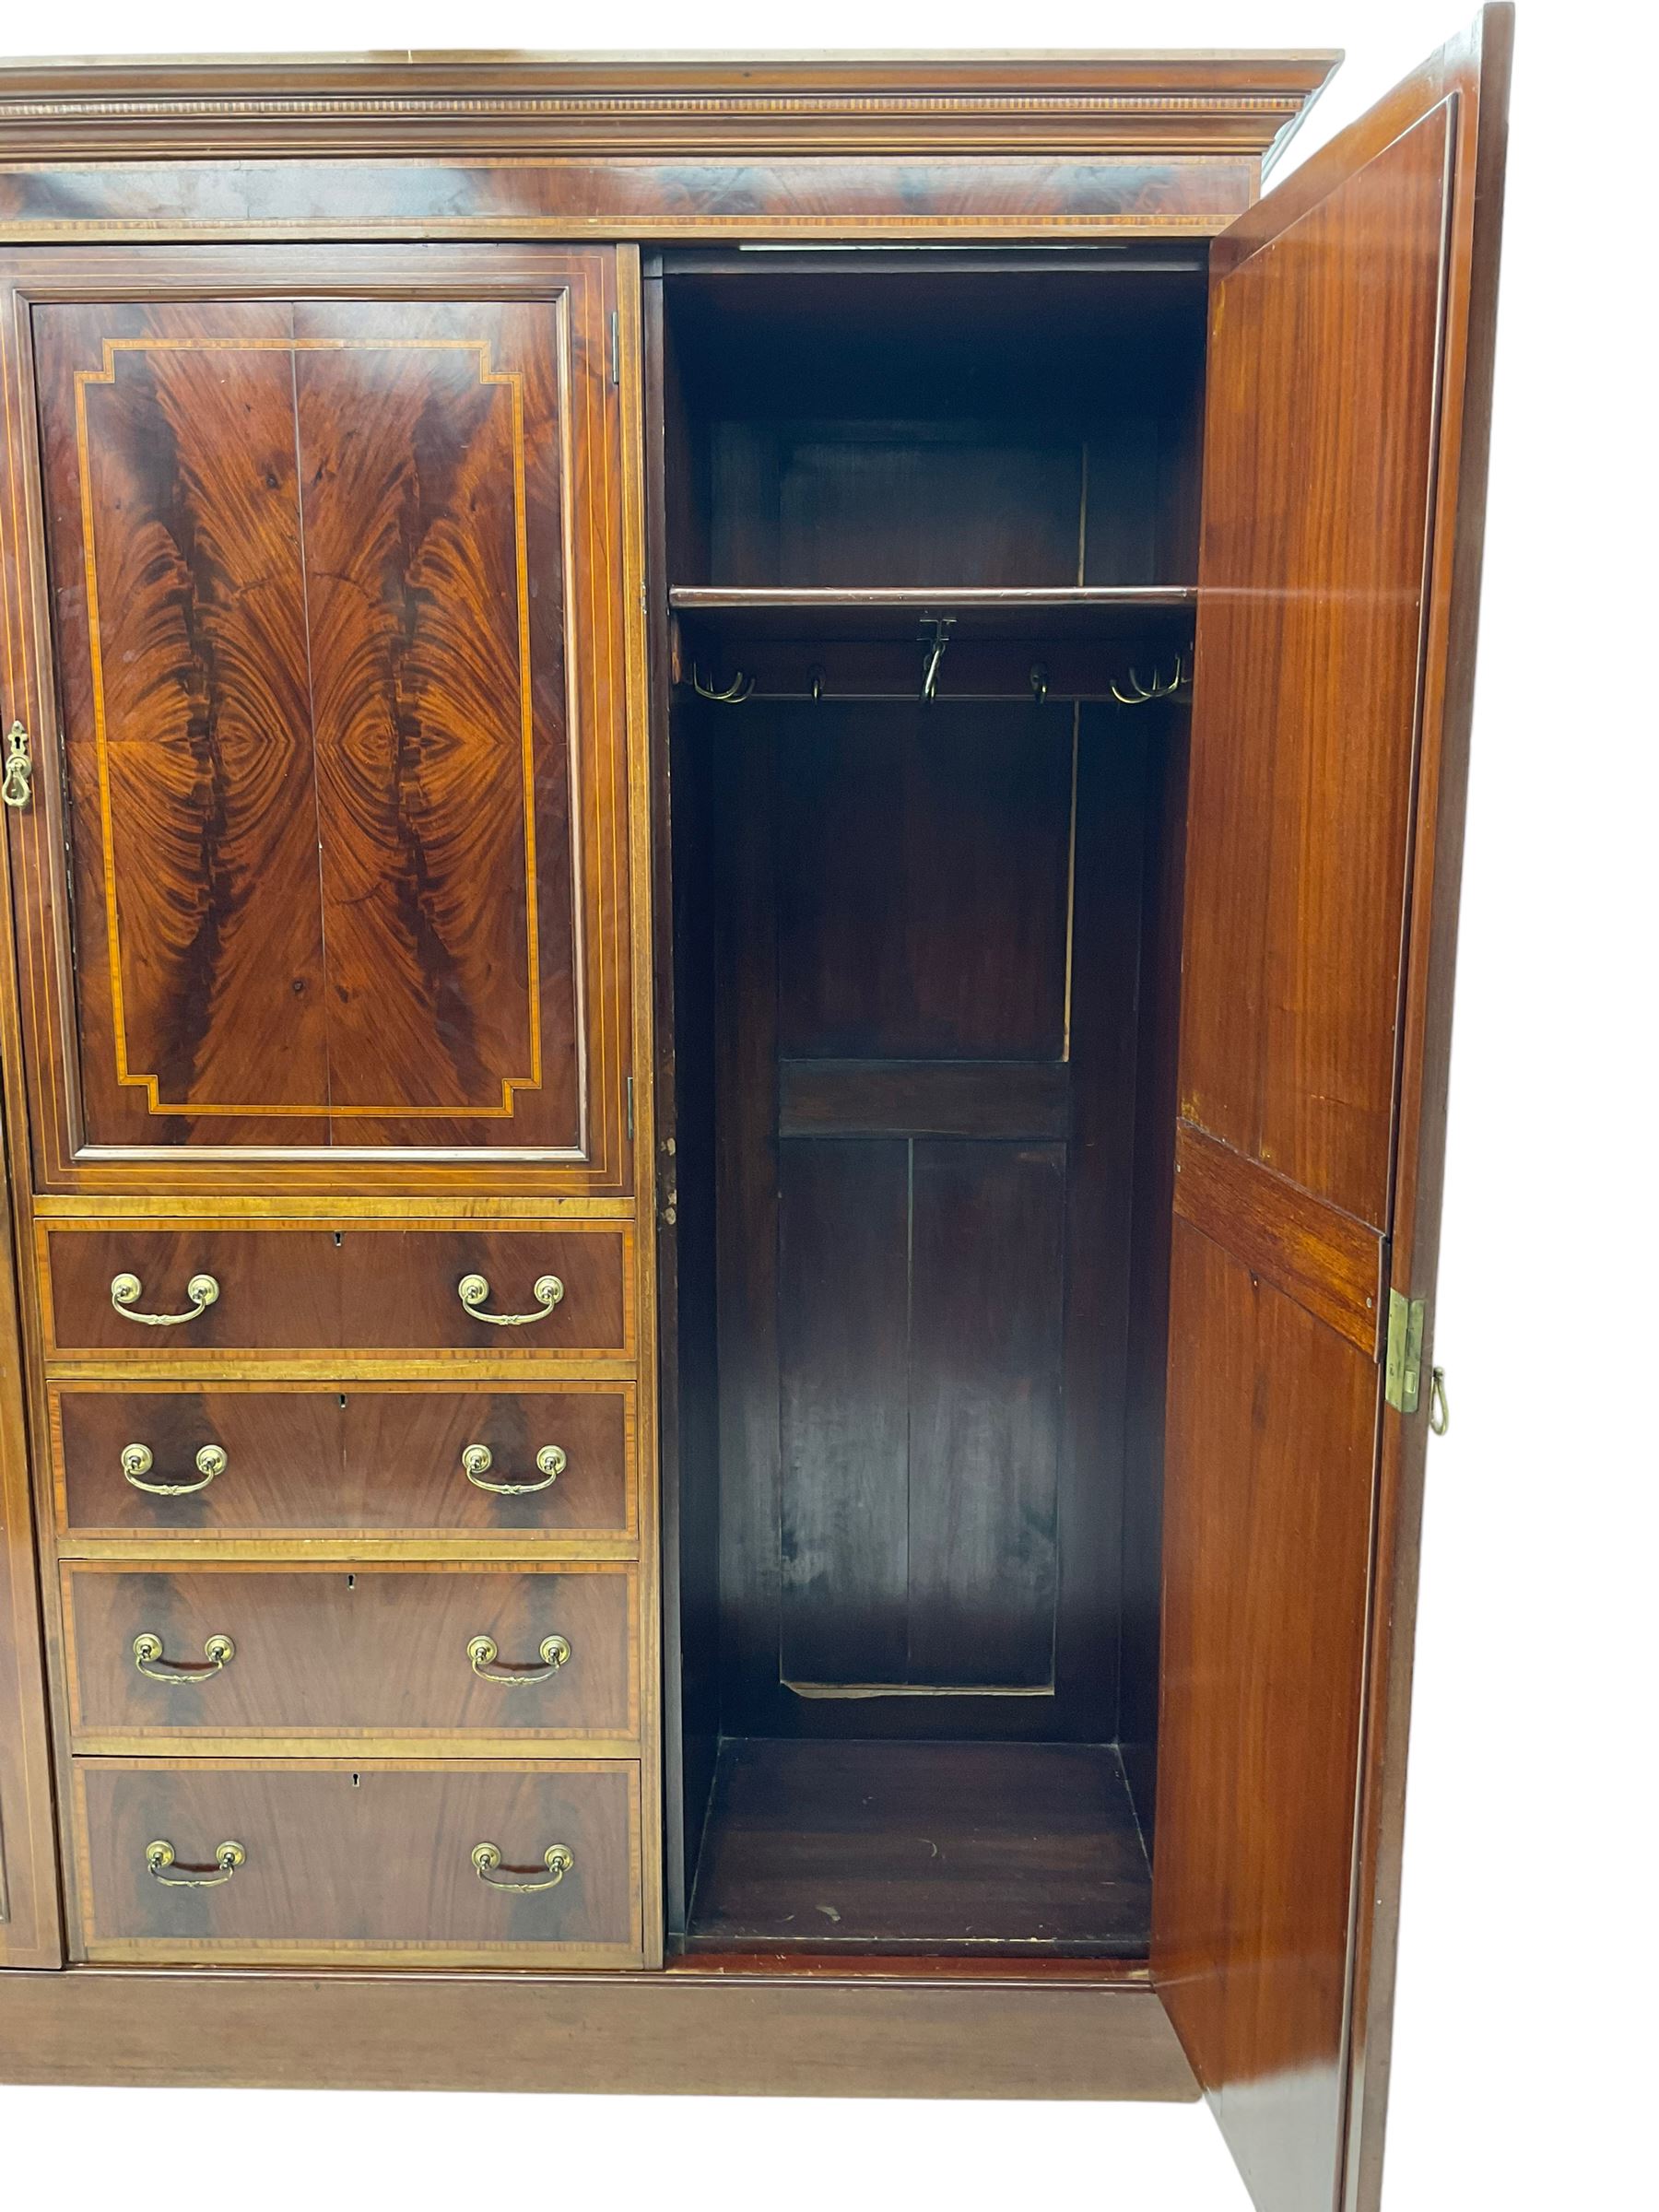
1350,357
335,593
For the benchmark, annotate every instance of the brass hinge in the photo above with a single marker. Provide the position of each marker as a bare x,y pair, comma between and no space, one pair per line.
1402,1372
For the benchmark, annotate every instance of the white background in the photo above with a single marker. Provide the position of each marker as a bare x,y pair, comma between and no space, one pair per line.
1524,2041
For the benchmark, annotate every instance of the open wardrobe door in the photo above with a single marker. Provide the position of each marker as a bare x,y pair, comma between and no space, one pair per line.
1351,316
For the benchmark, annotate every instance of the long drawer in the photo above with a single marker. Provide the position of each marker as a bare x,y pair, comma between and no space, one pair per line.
310,1657
323,1862
185,1292
165,1466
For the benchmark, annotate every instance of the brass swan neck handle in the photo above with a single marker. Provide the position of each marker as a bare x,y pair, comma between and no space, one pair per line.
558,1859
483,1654
125,1291
136,1460
478,1459
159,1856
218,1652
473,1289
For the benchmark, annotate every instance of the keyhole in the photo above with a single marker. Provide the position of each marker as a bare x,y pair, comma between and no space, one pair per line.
351,1582
339,1239
356,1780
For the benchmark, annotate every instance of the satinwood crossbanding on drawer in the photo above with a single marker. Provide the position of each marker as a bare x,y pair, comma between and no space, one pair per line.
142,1463
263,1657
180,1293
516,1863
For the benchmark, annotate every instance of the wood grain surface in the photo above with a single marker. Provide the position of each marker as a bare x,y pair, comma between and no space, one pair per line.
944,1849
1350,354
324,1656
317,1462
886,2032
365,1863
370,1288
333,574
318,742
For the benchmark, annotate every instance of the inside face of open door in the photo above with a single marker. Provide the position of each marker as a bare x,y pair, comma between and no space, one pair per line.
1350,341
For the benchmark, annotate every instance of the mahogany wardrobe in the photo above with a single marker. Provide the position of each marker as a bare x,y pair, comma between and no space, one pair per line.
733,799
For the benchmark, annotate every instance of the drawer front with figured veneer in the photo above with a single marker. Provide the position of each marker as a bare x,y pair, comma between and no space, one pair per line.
327,1863
408,1462
183,1292
310,1656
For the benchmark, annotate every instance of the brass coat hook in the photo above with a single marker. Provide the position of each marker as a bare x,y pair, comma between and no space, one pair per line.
1140,693
935,636
736,692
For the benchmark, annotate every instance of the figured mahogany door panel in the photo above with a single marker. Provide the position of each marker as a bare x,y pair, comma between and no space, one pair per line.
369,1864
363,1286
173,507
316,1461
214,1655
336,596
1352,318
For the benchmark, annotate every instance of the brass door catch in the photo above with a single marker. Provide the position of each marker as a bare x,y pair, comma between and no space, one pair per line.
1403,1369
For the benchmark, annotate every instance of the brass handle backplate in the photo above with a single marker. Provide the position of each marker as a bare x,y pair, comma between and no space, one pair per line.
125,1291
19,768
556,1859
136,1460
218,1652
160,1856
473,1289
483,1654
477,1460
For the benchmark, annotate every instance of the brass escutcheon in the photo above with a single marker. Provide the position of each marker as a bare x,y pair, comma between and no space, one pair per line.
19,769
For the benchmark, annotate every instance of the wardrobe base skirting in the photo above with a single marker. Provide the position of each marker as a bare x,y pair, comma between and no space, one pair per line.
682,2033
